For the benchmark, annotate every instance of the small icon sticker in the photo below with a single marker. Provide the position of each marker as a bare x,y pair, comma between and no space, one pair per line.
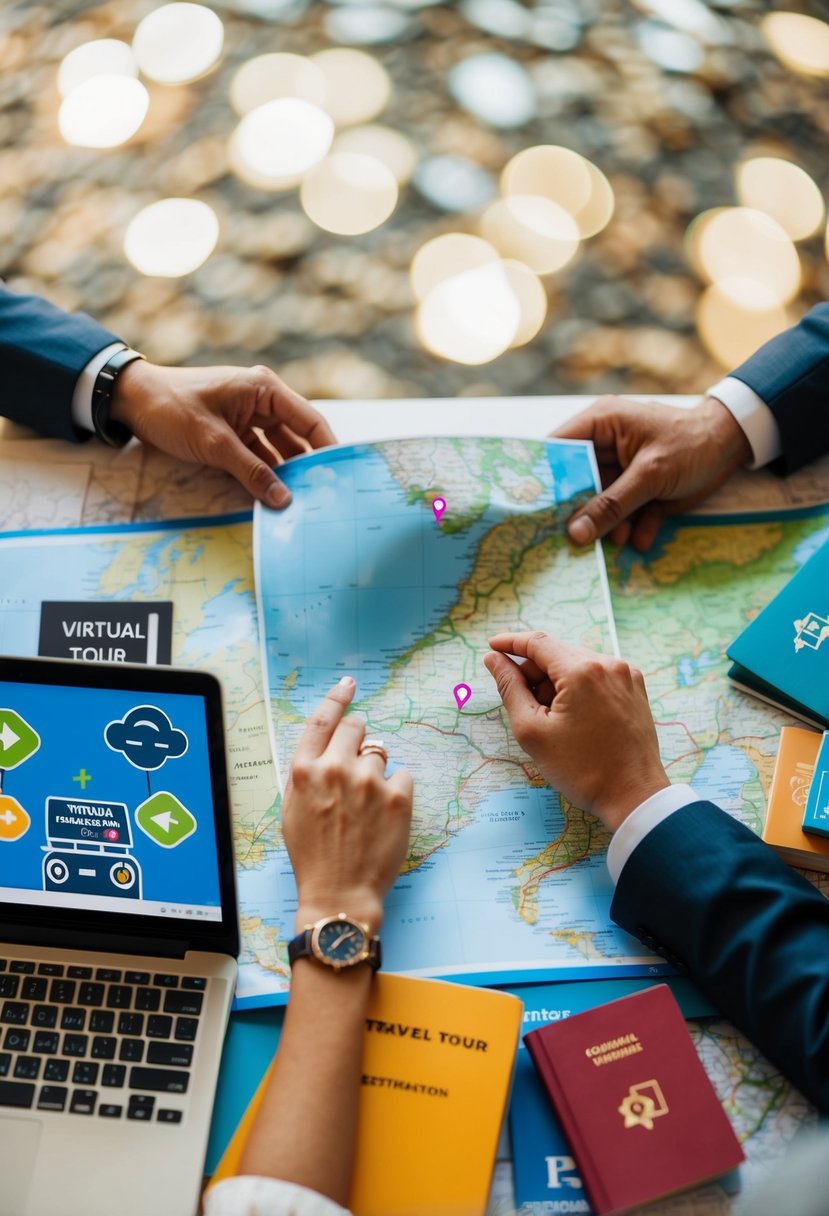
18,740
165,820
462,694
811,631
438,506
14,821
147,737
643,1103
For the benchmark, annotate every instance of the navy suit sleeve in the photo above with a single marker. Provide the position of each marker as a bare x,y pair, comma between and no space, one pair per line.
43,350
752,933
791,374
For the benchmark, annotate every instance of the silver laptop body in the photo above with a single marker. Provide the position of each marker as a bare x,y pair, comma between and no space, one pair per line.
118,936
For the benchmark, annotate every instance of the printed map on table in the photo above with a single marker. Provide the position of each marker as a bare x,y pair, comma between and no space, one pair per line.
503,880
676,609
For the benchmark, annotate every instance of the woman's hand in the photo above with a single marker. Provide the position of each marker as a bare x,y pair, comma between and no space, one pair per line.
346,824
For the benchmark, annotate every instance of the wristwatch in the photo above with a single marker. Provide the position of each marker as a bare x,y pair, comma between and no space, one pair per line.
337,941
115,434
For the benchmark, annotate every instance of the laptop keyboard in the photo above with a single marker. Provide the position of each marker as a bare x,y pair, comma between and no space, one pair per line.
96,1040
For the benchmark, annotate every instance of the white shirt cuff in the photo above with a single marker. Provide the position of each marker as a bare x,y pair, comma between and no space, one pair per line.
753,415
251,1196
82,396
644,819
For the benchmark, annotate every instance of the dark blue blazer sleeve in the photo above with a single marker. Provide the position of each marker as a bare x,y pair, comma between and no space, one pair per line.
791,374
752,933
43,350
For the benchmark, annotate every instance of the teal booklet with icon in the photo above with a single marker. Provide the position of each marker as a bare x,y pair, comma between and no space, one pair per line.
783,655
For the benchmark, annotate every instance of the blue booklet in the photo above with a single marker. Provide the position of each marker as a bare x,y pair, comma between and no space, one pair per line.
544,1171
783,655
816,815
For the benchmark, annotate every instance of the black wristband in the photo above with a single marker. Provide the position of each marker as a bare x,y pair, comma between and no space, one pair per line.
115,434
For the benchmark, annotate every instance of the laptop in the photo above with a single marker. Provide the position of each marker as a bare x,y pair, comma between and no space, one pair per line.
118,935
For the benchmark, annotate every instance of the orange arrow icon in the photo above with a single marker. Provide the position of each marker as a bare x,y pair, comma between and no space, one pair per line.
14,821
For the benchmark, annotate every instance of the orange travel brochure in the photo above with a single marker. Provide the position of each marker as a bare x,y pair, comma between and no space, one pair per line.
783,828
437,1066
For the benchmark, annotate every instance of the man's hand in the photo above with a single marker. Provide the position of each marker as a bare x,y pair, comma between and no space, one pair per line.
584,719
346,825
654,460
234,418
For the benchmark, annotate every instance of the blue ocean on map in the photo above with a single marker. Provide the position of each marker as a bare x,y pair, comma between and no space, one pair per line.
461,903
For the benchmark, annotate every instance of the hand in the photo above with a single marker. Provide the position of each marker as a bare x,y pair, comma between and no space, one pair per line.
584,719
654,460
346,826
234,418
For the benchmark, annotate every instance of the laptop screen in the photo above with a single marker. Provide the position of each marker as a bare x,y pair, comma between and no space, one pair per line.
107,801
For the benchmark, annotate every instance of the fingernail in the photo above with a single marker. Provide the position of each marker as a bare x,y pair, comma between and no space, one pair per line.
582,530
348,682
278,496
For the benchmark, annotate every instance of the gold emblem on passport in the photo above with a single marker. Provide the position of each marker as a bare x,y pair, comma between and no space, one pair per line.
645,1102
810,631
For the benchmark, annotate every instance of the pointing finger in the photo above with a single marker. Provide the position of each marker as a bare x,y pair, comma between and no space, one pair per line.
325,719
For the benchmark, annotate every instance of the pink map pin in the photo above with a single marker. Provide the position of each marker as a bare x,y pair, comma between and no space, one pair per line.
462,694
439,506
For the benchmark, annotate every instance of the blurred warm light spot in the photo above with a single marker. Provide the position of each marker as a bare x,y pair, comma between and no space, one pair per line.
178,42
103,111
799,42
277,143
532,300
172,237
532,230
104,57
694,234
472,317
394,150
748,256
566,179
732,331
271,76
349,193
784,191
357,86
446,256
597,212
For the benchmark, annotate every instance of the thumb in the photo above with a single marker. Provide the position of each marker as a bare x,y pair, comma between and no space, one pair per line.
630,491
252,472
519,702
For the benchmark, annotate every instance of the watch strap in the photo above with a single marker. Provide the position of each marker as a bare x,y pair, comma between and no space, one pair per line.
114,434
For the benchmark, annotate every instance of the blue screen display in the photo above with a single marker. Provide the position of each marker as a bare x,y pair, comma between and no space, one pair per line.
106,801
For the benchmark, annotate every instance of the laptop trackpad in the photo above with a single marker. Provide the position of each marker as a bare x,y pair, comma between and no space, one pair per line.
18,1149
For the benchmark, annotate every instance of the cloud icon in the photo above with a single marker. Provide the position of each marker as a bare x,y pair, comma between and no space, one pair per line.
147,737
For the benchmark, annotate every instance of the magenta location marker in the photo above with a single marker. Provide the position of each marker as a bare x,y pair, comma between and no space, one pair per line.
462,694
439,506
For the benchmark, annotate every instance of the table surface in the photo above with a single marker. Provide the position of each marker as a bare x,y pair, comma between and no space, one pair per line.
46,483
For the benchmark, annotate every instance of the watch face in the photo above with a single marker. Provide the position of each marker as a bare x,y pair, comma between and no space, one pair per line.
340,941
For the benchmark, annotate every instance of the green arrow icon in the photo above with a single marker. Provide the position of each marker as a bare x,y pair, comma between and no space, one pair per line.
17,739
165,820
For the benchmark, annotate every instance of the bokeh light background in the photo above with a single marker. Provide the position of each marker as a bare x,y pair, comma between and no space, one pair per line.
421,199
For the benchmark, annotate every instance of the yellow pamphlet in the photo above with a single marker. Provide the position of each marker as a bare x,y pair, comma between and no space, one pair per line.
790,783
437,1065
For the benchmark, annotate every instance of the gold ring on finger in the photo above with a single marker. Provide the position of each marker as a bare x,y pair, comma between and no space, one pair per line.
373,747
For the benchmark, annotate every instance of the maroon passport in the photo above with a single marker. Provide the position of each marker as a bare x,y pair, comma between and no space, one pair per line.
642,1118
